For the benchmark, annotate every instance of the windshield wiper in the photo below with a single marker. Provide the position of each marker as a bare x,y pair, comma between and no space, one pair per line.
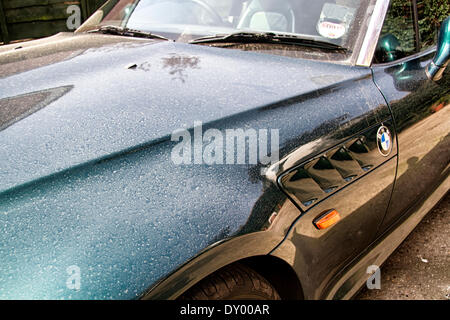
269,37
126,32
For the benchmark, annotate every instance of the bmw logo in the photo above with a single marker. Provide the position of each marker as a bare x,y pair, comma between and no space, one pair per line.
384,141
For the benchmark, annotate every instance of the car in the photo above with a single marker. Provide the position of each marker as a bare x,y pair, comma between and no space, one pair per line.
209,150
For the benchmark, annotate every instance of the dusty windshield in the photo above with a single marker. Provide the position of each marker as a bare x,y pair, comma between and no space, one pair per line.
334,21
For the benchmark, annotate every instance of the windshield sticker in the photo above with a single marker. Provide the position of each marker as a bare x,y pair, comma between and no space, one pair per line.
335,20
331,30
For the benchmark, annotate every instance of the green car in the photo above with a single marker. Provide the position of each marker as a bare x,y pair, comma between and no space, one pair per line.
221,149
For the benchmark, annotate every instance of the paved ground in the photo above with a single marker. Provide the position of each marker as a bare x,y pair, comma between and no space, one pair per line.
420,267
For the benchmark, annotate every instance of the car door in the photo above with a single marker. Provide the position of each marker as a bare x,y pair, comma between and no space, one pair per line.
420,106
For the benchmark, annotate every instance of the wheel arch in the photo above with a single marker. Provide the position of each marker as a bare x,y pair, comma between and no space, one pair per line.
279,273
253,250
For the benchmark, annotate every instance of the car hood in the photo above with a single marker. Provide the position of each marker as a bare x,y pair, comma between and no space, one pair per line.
72,105
78,98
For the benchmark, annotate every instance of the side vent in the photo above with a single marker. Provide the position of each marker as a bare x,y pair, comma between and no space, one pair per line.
319,177
325,174
303,187
345,164
361,153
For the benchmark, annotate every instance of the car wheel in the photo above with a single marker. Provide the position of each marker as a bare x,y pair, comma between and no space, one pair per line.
235,282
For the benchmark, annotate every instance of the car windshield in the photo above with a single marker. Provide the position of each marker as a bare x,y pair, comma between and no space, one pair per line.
335,21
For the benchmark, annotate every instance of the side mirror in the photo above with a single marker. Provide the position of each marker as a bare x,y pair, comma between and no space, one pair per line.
436,67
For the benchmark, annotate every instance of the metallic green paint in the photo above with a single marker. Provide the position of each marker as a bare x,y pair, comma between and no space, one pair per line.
86,177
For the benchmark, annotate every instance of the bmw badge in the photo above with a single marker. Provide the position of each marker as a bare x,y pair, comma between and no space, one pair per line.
384,141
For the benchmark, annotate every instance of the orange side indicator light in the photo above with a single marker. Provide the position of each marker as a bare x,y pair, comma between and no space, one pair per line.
327,220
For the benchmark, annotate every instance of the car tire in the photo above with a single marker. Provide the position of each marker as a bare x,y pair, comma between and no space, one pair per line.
235,282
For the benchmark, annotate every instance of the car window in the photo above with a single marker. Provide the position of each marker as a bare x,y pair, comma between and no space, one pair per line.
397,38
341,23
431,13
